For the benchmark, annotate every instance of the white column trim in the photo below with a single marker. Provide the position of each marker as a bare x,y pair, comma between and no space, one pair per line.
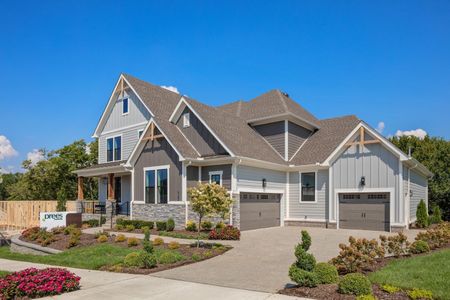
184,190
132,194
402,208
286,140
287,195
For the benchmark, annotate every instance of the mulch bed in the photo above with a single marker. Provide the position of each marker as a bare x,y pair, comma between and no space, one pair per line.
192,234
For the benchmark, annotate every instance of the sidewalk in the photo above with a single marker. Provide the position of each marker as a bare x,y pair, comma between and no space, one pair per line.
98,285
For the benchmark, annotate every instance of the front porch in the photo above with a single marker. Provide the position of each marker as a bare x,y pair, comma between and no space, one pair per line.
114,189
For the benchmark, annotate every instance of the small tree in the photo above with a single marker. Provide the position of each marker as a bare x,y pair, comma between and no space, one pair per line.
422,215
209,199
436,215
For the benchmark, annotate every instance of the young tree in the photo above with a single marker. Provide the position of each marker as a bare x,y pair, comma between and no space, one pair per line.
209,199
422,214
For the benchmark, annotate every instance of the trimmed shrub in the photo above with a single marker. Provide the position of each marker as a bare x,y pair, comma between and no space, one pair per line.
145,228
94,222
355,284
302,277
118,227
99,233
69,229
170,226
390,288
436,215
146,243
57,230
120,238
220,225
31,233
161,225
173,245
132,260
138,224
206,225
397,245
436,237
326,273
191,226
227,233
102,239
366,297
419,247
422,215
147,260
132,241
158,241
422,294
168,258
196,257
130,228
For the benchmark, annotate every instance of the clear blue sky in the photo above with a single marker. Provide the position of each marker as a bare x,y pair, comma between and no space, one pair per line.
383,61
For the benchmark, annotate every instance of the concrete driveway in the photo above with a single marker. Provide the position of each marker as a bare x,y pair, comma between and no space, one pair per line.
260,261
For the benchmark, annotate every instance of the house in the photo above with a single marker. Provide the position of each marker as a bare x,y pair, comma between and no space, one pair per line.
281,164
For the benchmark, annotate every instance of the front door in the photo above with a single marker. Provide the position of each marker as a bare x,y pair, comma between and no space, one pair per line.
118,189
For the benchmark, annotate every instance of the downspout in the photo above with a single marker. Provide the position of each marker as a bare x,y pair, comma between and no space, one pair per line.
186,209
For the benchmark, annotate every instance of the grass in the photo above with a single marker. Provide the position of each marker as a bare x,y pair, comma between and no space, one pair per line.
4,273
430,272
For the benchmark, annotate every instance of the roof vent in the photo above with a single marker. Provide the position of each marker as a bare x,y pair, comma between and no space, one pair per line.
285,94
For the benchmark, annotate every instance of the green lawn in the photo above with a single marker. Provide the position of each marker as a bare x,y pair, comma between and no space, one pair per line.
3,273
431,272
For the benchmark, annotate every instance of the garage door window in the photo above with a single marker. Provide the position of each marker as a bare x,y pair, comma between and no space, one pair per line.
308,187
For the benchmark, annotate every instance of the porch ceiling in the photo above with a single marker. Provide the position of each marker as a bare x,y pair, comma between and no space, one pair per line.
116,167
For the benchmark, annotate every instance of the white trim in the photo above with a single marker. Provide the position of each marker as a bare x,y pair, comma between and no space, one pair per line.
128,105
306,220
402,208
260,190
300,187
156,168
173,117
211,173
199,174
181,131
288,186
183,182
186,120
132,194
391,192
114,152
331,216
123,128
140,132
286,140
233,178
292,117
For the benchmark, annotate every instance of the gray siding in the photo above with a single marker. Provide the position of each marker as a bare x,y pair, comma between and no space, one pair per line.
130,138
379,167
126,188
274,134
418,186
307,211
157,154
199,136
191,176
296,136
226,176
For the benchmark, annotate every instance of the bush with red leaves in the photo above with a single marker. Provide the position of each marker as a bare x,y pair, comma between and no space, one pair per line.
227,233
34,283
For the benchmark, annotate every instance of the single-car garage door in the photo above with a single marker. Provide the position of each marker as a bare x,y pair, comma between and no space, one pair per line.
369,211
259,210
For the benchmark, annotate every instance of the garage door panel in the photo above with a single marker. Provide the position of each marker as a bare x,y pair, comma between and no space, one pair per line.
259,210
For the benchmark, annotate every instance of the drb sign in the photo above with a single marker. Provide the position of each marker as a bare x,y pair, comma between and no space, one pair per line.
51,220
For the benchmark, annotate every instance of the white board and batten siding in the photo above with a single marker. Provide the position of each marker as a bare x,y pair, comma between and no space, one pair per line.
313,211
126,125
419,190
380,168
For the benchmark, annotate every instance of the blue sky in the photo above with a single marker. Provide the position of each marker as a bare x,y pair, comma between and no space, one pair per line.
383,61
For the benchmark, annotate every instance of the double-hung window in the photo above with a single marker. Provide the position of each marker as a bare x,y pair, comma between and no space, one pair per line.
124,106
114,148
186,120
308,187
156,184
215,177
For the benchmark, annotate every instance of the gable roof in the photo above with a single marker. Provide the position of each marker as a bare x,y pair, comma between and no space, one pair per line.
267,105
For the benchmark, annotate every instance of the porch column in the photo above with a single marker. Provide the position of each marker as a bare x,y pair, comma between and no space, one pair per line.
80,188
111,195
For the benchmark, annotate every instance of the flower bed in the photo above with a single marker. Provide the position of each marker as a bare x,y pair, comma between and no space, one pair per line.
34,283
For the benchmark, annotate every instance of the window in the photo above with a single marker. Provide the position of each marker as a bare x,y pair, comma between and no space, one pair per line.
114,148
157,185
186,120
215,177
124,106
140,132
308,187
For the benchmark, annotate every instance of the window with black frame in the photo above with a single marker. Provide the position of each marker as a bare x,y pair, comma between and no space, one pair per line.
109,149
157,186
308,184
117,148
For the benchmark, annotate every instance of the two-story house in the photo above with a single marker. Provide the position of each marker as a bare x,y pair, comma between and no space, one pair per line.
281,164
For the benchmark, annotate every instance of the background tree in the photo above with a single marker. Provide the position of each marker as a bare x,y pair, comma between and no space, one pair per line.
7,180
53,178
434,153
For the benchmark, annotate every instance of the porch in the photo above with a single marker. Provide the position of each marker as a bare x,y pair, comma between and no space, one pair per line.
114,189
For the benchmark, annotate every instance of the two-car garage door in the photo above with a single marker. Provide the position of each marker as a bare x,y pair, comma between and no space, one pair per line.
259,210
369,211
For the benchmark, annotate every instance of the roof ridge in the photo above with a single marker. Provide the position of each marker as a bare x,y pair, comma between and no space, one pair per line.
150,84
340,117
283,102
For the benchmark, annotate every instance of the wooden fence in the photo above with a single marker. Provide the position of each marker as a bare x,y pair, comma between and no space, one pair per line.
24,214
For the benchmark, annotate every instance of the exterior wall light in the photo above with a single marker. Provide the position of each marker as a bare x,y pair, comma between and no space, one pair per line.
264,183
363,181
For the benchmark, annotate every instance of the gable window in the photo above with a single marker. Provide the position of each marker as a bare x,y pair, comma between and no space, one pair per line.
125,106
140,131
114,148
215,177
186,120
156,185
308,187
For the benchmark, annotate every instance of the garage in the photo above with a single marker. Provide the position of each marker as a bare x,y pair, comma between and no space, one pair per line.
259,210
367,211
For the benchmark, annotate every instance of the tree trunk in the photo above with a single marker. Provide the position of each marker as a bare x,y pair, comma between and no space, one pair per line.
198,231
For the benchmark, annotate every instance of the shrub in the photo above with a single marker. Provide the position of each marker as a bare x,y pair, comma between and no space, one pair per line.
102,239
170,225
58,230
120,238
196,257
118,227
422,215
302,277
158,241
435,237
132,241
359,255
206,225
436,215
130,228
99,233
207,254
366,297
148,260
390,288
69,229
397,245
138,224
420,294
94,222
419,247
191,226
227,233
326,273
146,243
161,225
44,237
73,240
355,284
34,283
31,233
168,258
132,260
174,245
220,225
145,228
